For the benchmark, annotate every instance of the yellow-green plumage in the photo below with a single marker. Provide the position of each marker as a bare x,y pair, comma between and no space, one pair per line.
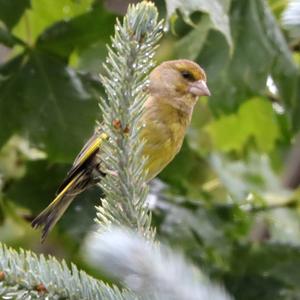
174,89
164,136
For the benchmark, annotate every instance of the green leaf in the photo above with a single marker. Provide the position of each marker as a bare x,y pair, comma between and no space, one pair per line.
44,13
14,155
7,39
42,97
254,176
216,9
78,33
258,119
205,233
191,44
12,10
286,73
8,74
90,59
37,188
283,69
35,191
269,271
259,50
227,134
198,138
277,7
255,119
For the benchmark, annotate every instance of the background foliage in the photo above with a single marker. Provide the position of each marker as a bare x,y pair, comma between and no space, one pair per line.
224,201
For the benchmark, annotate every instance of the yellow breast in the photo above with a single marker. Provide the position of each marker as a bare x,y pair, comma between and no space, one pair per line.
163,132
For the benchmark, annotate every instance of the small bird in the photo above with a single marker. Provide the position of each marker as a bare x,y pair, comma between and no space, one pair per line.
173,92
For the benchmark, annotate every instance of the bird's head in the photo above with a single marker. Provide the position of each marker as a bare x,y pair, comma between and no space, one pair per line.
179,82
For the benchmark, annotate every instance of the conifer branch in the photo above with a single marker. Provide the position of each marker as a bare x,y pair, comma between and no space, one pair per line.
150,270
129,61
24,275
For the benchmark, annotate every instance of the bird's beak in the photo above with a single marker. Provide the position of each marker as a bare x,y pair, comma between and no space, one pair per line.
199,88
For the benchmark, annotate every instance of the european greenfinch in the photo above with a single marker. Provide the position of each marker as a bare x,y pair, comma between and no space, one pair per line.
174,88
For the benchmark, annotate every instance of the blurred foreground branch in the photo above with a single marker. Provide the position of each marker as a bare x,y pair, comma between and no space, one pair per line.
151,271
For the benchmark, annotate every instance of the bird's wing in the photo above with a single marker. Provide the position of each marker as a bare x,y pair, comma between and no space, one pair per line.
89,148
88,151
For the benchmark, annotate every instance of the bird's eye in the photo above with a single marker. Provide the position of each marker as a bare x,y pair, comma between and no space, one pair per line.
188,76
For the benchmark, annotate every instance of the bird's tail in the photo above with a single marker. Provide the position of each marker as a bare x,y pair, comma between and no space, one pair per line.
50,215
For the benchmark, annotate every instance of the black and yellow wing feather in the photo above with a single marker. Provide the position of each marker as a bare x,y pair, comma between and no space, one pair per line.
78,179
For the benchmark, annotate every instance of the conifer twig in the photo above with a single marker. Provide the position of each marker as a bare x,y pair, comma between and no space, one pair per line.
128,63
24,275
